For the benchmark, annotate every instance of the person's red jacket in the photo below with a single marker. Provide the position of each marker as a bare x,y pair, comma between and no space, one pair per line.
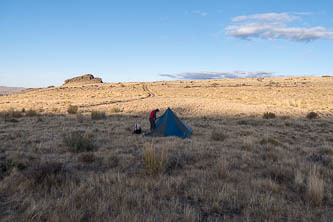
153,114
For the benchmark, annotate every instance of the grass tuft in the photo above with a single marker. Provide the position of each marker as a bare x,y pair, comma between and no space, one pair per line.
315,187
72,109
155,160
78,142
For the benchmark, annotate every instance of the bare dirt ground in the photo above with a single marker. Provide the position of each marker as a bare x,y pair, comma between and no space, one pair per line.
239,165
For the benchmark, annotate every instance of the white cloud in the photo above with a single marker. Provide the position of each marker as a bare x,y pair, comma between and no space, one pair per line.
218,75
275,26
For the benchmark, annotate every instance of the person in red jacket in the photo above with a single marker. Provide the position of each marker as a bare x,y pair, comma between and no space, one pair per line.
152,118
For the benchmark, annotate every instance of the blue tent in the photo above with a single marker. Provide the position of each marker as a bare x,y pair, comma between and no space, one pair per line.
170,125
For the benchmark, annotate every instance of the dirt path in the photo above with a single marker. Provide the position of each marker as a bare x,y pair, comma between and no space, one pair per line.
150,93
145,89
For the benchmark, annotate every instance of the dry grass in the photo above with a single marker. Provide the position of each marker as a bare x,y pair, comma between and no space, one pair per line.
155,159
237,166
315,186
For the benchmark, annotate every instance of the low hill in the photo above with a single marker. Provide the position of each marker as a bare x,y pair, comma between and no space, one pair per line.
9,90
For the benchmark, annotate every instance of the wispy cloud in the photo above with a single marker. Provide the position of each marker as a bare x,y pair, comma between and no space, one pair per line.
275,26
268,17
218,75
197,12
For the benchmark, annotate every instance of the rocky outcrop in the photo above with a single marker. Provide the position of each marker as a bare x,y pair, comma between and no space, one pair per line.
85,79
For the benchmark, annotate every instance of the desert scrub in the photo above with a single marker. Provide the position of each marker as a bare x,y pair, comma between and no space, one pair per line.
312,115
218,135
269,115
77,142
97,115
72,109
155,160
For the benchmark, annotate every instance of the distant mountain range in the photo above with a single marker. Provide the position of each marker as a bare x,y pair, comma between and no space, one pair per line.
4,90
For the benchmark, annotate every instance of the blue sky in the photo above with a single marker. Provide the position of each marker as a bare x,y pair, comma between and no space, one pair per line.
43,42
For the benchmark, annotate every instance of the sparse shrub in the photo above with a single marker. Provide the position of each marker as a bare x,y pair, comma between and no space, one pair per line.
72,109
78,142
155,160
269,115
312,115
98,115
315,187
30,113
115,110
86,157
270,140
218,135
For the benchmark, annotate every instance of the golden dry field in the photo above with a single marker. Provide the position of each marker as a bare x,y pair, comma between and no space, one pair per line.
261,150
